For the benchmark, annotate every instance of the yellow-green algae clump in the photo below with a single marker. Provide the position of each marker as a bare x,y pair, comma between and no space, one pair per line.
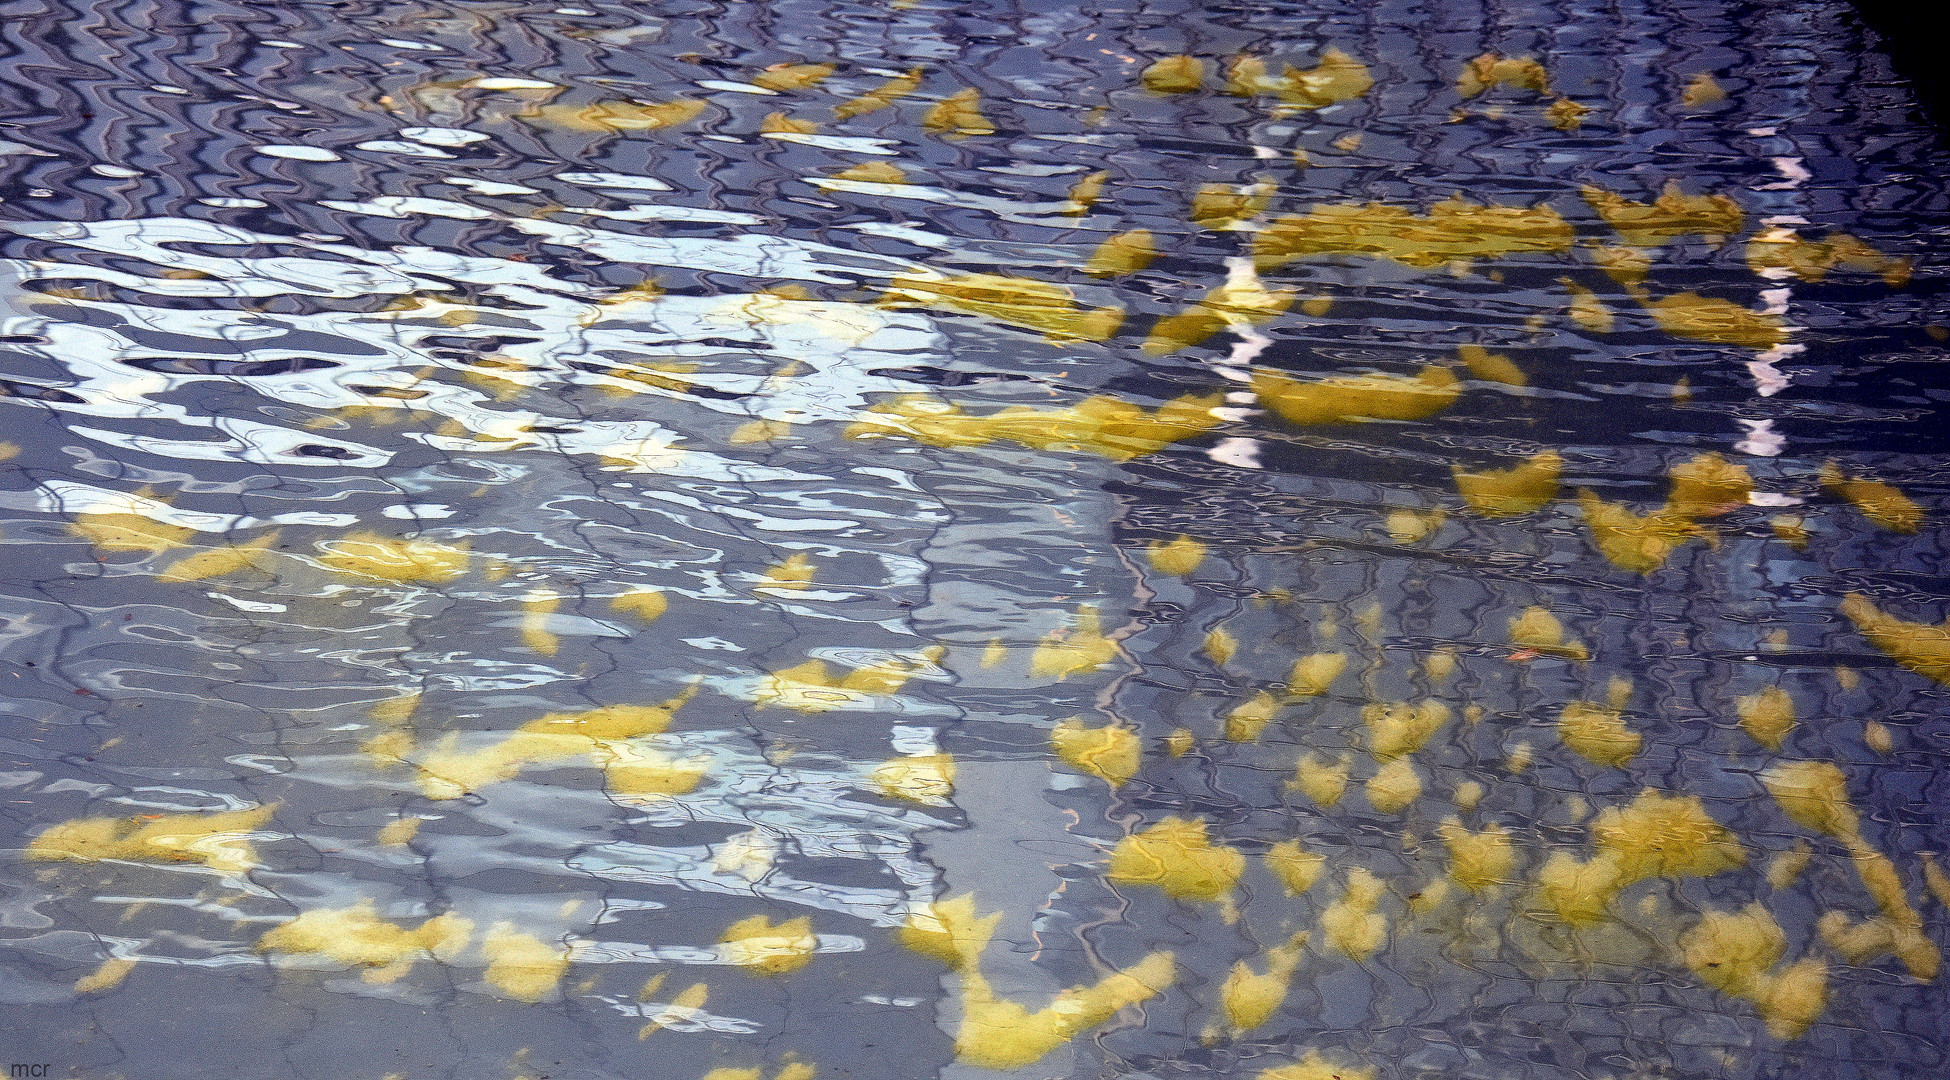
1101,425
1656,835
218,840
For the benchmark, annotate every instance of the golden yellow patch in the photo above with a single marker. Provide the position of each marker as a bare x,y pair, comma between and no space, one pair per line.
1351,398
218,840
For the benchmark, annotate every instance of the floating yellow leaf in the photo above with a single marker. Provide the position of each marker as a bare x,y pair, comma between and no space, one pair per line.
1249,719
1174,75
1478,860
1351,924
1250,999
1177,558
1085,192
1735,953
1296,867
1707,486
1491,367
812,687
1399,728
873,172
1112,753
928,779
1539,631
356,936
1566,115
1455,231
1490,70
688,1000
1921,647
1314,1067
779,123
1883,504
1176,856
1598,734
1351,398
1636,542
958,116
129,532
1337,78
221,561
1218,206
1122,253
1239,303
1180,742
399,833
218,841
368,554
652,776
1320,779
645,604
768,949
1767,716
1080,650
1107,426
793,76
880,98
1720,322
949,931
1024,302
1672,214
1519,489
1702,92
106,977
999,1034
1312,674
1586,309
619,115
522,966
1410,526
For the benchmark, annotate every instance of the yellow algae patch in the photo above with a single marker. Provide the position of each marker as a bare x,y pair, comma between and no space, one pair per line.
958,116
1122,253
1394,786
873,172
1566,115
1024,302
1538,630
1735,953
129,532
1863,941
1707,486
358,937
369,554
1295,866
222,561
653,776
1672,214
1351,924
1815,795
645,604
1920,647
619,115
734,1074
1220,645
1176,856
446,773
1720,322
1180,742
1877,736
1314,673
1314,1067
1320,779
1490,70
1080,650
522,966
1174,75
999,1034
1249,998
880,97
1586,310
1478,860
793,76
1338,77
1519,758
691,997
1519,489
1883,504
1655,836
1345,399
106,977
1399,728
768,949
779,123
217,840
796,572
994,653
1767,716
1085,192
1622,263
399,833
1248,721
928,779
812,687
1469,794
1935,879
1491,367
1637,542
1598,734
950,931
1218,206
1178,558
1811,260
1106,426
1410,526
1454,231
1112,753
536,607
1237,303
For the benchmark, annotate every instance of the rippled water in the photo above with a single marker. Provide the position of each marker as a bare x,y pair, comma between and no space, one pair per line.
565,541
